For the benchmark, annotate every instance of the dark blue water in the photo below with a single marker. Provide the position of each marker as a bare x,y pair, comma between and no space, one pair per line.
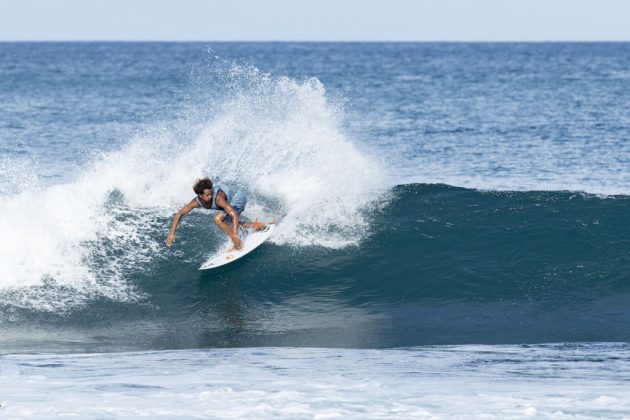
435,194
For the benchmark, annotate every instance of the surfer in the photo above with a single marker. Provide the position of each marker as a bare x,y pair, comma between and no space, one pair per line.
230,203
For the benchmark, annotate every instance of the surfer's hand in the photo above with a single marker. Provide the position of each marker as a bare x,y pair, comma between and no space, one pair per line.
170,239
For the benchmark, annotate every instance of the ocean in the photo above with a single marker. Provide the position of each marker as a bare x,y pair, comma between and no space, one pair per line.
455,240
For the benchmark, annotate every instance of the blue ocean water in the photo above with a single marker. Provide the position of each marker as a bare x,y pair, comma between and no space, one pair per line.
442,194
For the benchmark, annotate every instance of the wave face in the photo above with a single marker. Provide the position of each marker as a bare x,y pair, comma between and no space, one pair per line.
442,265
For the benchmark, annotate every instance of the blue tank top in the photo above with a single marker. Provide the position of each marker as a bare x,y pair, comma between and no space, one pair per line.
229,193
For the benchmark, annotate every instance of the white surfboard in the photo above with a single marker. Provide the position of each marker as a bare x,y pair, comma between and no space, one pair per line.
250,243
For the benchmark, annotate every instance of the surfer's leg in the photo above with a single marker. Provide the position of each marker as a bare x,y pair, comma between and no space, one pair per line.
228,219
219,220
224,222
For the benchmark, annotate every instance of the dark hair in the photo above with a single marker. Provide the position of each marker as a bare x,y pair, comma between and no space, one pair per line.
201,185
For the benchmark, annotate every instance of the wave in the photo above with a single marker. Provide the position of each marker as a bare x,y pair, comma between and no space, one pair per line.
440,265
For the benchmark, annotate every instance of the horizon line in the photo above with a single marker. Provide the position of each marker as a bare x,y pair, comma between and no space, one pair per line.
401,41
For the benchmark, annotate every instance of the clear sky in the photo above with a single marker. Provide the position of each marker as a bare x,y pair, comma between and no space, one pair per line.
316,20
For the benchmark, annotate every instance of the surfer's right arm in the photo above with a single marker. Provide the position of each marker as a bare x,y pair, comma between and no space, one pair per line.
184,210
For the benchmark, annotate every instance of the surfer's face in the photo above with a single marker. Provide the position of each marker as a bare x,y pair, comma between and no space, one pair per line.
206,196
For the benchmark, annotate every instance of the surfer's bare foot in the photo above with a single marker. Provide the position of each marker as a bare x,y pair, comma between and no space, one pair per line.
234,248
256,225
237,243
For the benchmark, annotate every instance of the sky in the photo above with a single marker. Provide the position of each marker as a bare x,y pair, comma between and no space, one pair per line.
314,20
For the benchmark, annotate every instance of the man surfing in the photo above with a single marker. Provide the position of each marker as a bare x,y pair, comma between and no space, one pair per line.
230,203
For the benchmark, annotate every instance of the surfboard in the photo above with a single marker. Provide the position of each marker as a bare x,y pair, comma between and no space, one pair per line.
250,243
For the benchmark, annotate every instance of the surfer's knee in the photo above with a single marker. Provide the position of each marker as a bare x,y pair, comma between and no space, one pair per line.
218,218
